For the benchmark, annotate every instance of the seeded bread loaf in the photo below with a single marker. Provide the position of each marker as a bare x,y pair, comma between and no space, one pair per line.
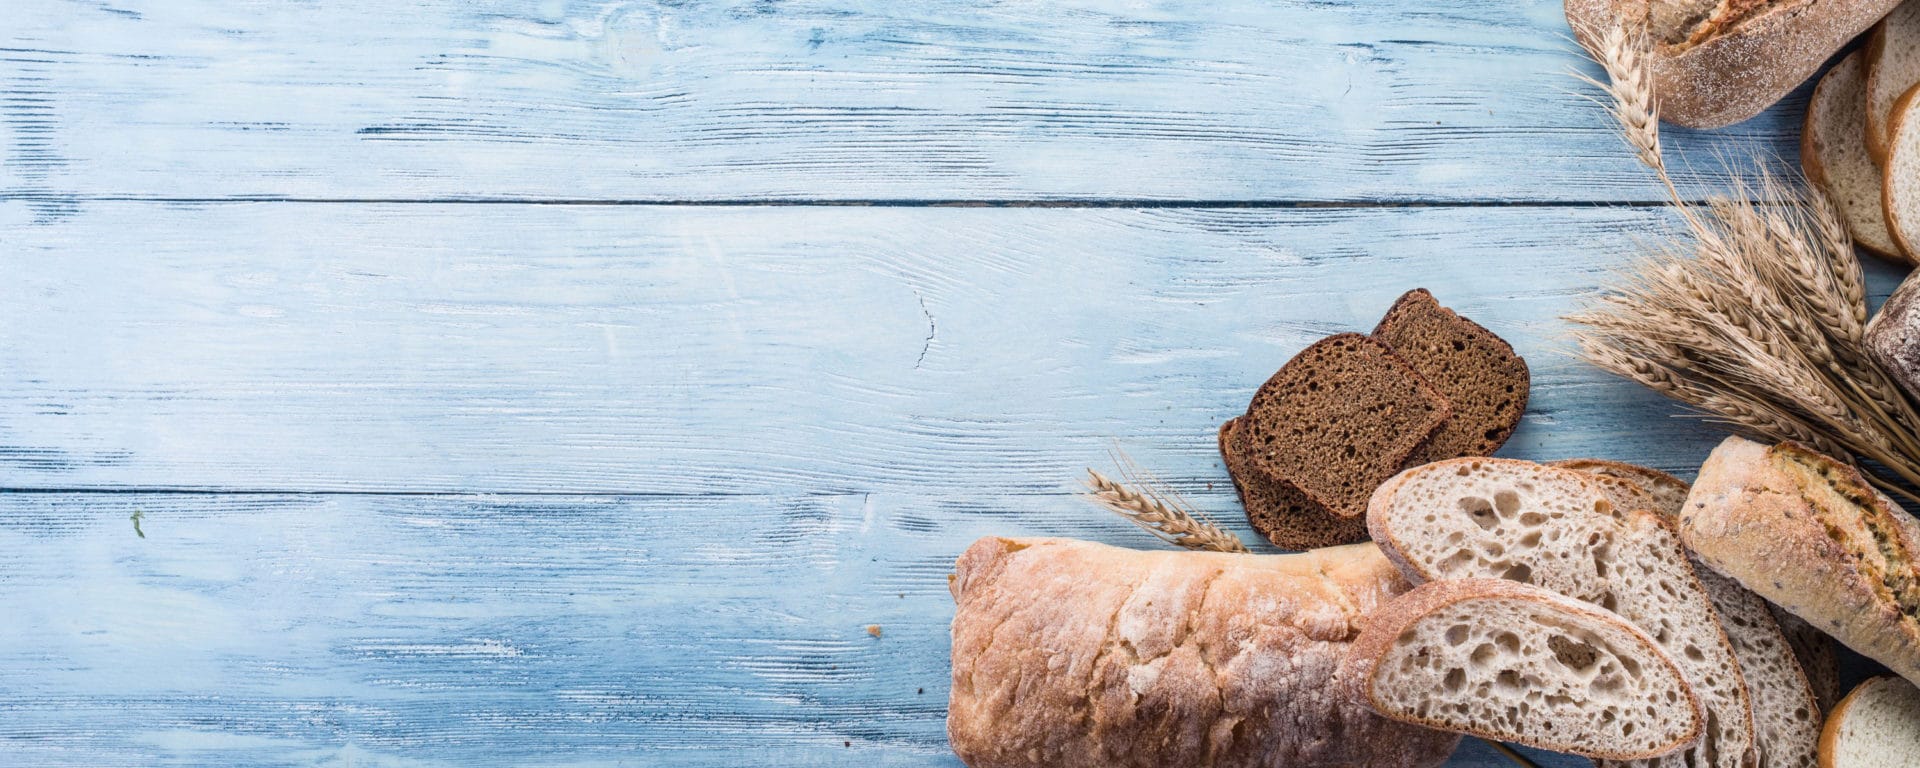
1892,65
1069,653
1786,712
1513,662
1836,160
1340,418
1810,534
1877,726
1280,512
1718,62
1477,372
1554,528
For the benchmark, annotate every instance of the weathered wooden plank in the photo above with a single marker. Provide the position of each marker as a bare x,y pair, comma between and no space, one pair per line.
843,99
692,350
490,630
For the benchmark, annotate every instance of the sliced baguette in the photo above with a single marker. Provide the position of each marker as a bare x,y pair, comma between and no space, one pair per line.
1876,726
1836,160
1786,711
1900,197
1513,662
1810,534
1892,68
1555,528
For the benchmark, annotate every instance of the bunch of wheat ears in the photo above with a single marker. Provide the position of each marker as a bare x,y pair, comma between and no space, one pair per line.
1756,316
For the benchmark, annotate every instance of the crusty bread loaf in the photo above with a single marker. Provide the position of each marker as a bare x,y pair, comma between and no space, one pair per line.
1477,371
1892,67
1810,534
1554,528
1876,726
1718,62
1280,512
1900,195
1836,159
1070,653
1509,661
1340,418
1893,336
1786,712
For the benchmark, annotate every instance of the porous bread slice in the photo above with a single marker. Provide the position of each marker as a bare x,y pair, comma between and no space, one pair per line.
1555,528
1892,68
1836,160
1786,711
1339,419
1513,662
1816,652
1876,726
1280,512
1477,371
1900,197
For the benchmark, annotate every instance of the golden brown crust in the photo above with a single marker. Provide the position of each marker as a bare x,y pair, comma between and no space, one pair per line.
1749,519
1745,67
1069,653
1387,622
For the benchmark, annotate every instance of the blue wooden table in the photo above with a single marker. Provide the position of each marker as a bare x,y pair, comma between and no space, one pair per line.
574,383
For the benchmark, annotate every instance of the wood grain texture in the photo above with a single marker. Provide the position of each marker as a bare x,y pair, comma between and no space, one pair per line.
1352,100
620,349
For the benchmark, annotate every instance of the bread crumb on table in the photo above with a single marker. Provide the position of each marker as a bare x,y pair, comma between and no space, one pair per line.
873,629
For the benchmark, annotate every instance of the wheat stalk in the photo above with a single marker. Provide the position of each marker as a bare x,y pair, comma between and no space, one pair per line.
1756,317
1158,510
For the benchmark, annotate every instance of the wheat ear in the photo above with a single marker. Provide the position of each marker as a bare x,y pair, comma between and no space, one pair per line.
1159,512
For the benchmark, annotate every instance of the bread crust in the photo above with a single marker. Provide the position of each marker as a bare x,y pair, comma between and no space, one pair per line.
1740,72
1398,615
1748,520
1070,653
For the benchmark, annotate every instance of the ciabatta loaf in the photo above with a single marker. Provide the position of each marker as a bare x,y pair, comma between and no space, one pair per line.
1876,726
1554,528
1786,711
1718,62
1508,661
1810,534
1069,653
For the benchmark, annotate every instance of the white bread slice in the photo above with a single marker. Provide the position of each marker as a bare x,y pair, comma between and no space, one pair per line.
1508,661
1836,159
1554,528
1786,711
1900,198
1876,726
1893,67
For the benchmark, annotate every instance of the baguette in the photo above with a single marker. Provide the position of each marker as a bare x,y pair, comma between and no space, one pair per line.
1513,662
1069,653
1718,62
1810,534
1554,528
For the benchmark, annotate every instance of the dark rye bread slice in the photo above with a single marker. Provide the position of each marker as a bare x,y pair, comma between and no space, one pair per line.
1339,419
1476,371
1279,511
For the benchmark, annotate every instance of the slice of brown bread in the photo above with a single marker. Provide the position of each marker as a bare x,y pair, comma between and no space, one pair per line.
1339,419
1475,370
1279,511
1901,196
1892,61
1836,159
